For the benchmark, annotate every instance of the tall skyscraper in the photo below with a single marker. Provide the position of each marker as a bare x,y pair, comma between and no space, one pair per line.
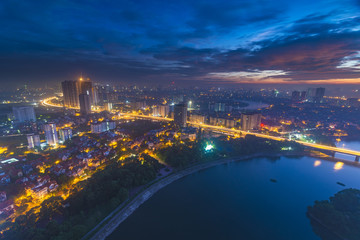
303,95
71,93
315,95
33,140
24,114
180,114
295,96
51,135
85,104
250,121
86,87
319,95
65,134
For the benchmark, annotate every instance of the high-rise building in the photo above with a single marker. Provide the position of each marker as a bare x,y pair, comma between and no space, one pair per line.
97,98
164,110
24,114
108,125
138,105
99,127
315,95
250,121
51,135
295,96
33,140
319,95
65,134
161,110
197,118
213,121
85,104
303,95
96,127
108,106
180,114
219,107
86,87
71,93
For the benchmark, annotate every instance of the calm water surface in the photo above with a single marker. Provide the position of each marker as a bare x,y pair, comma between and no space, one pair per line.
238,201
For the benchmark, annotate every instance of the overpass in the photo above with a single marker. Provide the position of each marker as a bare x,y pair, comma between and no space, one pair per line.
243,133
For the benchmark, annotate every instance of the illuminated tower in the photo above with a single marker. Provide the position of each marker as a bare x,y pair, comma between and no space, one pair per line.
33,140
51,135
65,134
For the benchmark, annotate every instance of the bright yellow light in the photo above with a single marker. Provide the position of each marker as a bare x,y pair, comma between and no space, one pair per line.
317,163
3,150
338,166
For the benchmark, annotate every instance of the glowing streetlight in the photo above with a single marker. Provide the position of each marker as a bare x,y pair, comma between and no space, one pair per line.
209,147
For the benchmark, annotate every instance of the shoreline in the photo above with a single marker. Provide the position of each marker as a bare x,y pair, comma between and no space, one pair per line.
125,209
128,207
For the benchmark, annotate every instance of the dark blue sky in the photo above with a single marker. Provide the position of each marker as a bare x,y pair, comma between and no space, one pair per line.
156,42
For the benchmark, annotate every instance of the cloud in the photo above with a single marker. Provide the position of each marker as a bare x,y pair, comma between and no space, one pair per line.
183,41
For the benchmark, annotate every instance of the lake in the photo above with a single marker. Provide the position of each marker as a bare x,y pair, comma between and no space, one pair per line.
238,201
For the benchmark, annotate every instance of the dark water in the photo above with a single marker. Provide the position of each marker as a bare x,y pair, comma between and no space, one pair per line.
238,201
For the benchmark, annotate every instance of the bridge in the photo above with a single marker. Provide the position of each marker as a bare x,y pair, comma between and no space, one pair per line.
315,146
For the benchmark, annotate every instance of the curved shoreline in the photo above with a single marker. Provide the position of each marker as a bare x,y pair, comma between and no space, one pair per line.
144,195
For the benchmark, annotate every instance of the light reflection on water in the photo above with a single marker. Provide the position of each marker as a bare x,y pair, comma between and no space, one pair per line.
338,166
317,163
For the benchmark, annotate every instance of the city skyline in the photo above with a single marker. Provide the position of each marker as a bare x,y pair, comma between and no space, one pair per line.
188,43
202,119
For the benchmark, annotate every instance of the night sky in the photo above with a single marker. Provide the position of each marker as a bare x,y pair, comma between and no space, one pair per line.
189,42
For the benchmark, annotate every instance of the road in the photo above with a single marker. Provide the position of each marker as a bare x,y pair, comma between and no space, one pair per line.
47,102
236,131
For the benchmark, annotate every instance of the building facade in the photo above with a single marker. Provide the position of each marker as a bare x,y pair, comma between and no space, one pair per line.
51,135
180,114
250,121
65,134
197,118
71,93
24,114
33,140
85,103
86,87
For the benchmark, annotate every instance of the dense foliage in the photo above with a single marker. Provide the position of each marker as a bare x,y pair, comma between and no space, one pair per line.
337,217
140,127
90,202
181,155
